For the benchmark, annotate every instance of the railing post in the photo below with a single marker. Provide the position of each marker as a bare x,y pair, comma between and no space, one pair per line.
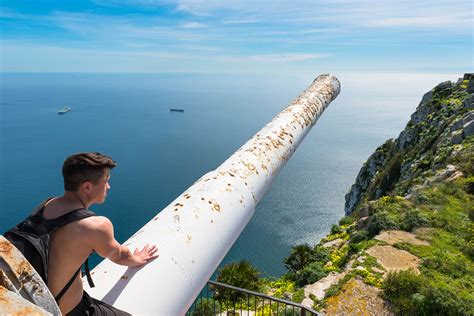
196,230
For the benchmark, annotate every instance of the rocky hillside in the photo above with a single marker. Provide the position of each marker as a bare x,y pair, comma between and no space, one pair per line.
406,245
444,118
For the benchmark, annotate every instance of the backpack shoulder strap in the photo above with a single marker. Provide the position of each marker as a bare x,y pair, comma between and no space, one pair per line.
67,286
40,208
46,226
72,216
75,215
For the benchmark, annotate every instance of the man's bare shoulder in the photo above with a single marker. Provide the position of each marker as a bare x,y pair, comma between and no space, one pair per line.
96,224
99,235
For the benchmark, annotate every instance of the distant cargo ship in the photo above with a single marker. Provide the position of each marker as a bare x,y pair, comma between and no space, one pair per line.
64,110
176,110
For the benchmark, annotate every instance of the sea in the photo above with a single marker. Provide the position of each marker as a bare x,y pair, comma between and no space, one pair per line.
161,153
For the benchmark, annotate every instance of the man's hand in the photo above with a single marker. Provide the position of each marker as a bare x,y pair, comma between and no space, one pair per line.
102,240
145,255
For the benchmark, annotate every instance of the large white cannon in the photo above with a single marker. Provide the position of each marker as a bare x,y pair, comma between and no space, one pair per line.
196,230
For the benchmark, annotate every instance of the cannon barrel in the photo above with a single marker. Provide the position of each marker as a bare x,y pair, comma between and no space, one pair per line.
195,231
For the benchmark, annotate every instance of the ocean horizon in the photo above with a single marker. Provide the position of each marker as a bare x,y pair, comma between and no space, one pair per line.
161,153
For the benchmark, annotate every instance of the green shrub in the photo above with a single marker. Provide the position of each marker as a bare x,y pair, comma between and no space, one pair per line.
359,235
336,229
413,294
346,220
321,254
311,274
399,288
443,261
468,185
468,248
240,274
381,221
281,288
298,296
300,256
465,159
385,180
421,198
413,218
402,283
360,246
450,206
444,301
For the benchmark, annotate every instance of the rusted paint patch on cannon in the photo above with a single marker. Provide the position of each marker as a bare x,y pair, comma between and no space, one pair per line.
5,248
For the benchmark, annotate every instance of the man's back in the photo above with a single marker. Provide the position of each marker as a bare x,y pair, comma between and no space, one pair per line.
69,248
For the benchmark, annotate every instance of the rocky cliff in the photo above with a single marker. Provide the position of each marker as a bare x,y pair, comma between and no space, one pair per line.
442,120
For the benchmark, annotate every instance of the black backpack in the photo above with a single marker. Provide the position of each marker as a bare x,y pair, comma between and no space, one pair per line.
32,237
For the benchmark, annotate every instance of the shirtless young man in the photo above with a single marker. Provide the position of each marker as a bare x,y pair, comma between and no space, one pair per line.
86,177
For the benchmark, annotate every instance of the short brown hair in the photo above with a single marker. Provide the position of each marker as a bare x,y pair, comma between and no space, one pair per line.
82,167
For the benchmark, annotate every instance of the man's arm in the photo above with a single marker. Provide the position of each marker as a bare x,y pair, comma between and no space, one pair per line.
103,242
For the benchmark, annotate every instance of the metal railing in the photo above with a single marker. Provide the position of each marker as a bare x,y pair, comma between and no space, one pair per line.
222,299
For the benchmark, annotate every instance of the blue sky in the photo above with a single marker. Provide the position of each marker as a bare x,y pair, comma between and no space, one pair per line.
236,36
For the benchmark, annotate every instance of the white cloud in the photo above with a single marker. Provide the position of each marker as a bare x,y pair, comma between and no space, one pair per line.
135,3
242,21
194,25
202,48
347,13
186,8
424,21
287,57
114,29
407,13
273,58
321,30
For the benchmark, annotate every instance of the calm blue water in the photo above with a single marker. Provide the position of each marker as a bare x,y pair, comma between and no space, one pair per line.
160,153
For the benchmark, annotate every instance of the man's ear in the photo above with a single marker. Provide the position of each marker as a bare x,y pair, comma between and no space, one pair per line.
86,186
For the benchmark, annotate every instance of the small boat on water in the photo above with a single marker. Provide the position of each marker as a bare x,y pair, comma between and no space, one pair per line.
176,110
64,110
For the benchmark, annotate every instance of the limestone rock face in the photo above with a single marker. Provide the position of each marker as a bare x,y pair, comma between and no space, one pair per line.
468,129
470,79
469,103
319,288
375,162
334,243
456,137
443,119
